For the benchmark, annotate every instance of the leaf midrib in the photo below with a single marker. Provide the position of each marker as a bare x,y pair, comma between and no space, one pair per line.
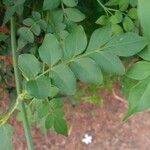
91,52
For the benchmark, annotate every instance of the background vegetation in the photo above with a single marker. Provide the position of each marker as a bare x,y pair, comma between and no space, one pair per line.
55,44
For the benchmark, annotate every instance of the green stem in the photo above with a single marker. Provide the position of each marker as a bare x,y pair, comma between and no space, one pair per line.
18,85
106,9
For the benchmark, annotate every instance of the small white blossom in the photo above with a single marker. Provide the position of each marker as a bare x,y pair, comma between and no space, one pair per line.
87,139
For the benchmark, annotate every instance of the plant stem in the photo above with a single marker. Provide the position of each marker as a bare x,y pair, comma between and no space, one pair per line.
106,9
18,85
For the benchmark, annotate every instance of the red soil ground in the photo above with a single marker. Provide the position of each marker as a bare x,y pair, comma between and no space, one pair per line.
103,124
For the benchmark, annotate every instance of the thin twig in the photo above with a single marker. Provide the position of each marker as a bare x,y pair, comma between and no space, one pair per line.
117,97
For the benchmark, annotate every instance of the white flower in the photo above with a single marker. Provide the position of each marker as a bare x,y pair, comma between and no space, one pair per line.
87,139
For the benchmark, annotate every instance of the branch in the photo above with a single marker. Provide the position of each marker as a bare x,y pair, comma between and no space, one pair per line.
18,85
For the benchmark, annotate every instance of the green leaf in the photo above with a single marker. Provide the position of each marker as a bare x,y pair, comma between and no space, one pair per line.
117,18
56,103
3,37
113,19
8,14
26,34
49,122
74,14
36,29
50,4
60,126
50,51
56,117
116,29
12,7
123,4
127,84
56,121
53,92
29,65
87,71
57,16
42,109
36,15
28,22
139,71
21,43
128,24
133,3
125,45
6,137
102,20
19,9
63,34
70,3
99,37
133,13
110,63
39,88
112,2
144,15
64,79
145,54
43,24
139,98
8,2
75,42
19,2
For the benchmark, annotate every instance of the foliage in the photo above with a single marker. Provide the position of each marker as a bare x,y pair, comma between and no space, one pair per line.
122,19
138,97
58,43
6,133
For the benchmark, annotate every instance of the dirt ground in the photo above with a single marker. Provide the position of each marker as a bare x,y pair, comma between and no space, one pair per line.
103,124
